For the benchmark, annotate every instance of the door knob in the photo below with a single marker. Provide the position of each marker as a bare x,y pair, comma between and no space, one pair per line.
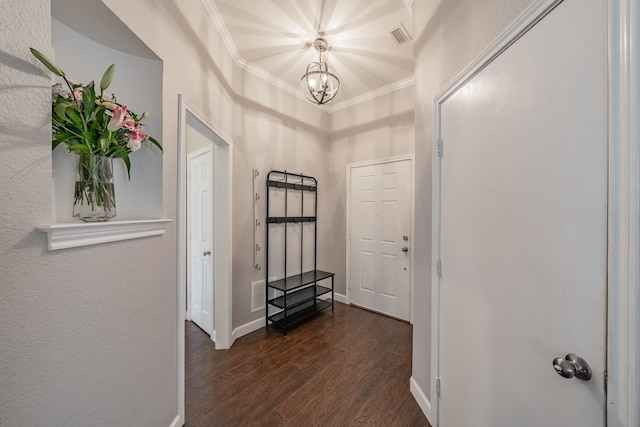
571,366
205,253
405,249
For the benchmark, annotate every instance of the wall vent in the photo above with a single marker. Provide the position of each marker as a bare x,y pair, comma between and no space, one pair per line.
400,34
257,296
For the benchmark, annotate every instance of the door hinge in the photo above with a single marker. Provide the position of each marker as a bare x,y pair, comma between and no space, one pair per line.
438,387
439,147
606,380
439,267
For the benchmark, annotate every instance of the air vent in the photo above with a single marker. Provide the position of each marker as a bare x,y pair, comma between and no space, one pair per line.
400,34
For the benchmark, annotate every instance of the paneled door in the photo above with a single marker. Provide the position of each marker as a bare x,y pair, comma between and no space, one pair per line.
380,237
523,230
200,231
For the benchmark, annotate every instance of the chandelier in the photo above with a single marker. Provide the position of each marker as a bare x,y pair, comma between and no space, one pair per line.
318,83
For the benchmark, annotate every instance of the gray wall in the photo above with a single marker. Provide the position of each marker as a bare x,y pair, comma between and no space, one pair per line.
89,334
377,129
449,34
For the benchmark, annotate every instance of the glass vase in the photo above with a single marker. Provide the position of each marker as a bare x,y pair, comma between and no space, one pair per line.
94,195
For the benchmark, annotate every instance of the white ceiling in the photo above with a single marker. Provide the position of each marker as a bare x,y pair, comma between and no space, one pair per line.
273,38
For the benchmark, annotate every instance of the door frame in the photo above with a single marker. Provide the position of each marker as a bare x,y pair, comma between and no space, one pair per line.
190,156
223,164
350,166
623,252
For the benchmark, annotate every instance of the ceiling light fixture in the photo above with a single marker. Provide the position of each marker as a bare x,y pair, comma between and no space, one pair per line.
318,83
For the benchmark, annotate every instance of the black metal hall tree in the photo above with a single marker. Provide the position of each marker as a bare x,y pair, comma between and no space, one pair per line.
296,296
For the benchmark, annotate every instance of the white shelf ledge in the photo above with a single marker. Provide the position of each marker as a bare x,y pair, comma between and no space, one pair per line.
73,235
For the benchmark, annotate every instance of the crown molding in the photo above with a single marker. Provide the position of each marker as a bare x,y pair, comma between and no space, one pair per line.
220,25
223,31
401,84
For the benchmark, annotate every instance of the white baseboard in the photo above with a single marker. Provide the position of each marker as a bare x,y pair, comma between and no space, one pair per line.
176,422
336,296
421,398
247,328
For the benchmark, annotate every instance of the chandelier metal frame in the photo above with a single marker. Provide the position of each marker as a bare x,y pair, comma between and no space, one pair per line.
318,83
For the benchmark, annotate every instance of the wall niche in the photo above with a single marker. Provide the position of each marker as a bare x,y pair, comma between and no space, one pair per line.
86,38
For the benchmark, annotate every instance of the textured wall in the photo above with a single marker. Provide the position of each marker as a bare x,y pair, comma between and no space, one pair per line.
88,334
449,34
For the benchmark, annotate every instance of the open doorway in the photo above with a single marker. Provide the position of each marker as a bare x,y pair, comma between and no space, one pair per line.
198,136
201,221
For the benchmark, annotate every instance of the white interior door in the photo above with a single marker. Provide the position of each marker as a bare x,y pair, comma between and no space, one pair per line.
200,230
523,229
380,260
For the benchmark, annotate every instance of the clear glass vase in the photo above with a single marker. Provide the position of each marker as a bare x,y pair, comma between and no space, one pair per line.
94,195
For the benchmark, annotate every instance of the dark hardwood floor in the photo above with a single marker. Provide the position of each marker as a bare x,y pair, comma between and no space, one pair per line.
349,367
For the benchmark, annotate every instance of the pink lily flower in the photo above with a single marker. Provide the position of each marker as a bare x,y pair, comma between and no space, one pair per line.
129,123
118,119
77,94
136,137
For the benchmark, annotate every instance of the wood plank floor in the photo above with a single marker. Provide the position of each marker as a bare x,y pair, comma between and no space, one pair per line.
349,367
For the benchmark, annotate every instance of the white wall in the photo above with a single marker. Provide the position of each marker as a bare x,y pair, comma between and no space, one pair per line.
198,135
448,36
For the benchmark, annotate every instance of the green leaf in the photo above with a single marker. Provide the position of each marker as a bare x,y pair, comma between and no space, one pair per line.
100,123
156,143
127,163
47,62
79,148
90,137
60,138
72,113
121,151
104,143
88,101
59,109
107,77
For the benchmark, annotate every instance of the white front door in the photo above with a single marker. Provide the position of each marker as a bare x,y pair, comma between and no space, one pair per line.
200,231
380,244
523,229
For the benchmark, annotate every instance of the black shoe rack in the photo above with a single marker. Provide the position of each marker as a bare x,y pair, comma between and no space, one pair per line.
297,295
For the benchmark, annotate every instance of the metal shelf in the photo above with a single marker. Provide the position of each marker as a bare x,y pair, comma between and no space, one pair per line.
299,280
300,291
295,298
299,313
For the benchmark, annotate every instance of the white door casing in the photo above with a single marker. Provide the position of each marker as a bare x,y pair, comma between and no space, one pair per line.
380,236
200,270
520,227
223,248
